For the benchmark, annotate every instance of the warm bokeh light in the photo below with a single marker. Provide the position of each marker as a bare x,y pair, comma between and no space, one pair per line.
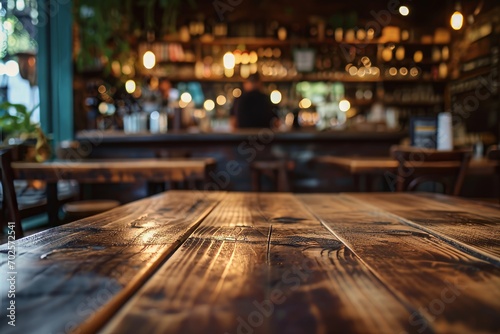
127,69
245,71
11,68
305,103
457,20
289,118
103,108
149,60
418,56
116,67
102,89
245,58
229,60
400,53
209,105
183,104
403,10
237,56
275,96
221,100
344,105
186,97
138,92
353,70
200,113
154,83
236,92
253,57
130,86
229,72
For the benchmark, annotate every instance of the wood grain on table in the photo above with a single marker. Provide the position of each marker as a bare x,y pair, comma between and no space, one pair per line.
190,262
66,274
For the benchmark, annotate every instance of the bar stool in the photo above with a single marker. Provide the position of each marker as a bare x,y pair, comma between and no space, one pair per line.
277,170
73,150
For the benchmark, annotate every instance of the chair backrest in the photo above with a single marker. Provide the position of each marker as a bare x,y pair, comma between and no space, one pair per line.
418,165
9,193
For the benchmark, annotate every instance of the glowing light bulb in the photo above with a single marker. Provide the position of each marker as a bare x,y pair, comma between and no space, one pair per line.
209,105
403,10
186,97
457,20
103,108
237,92
229,60
344,105
253,57
275,96
11,68
130,86
305,103
149,60
221,100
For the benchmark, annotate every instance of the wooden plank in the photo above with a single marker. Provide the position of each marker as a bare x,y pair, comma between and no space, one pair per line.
66,274
470,226
471,205
455,292
262,263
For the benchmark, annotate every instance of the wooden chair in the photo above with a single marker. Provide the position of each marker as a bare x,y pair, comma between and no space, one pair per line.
417,166
277,170
9,193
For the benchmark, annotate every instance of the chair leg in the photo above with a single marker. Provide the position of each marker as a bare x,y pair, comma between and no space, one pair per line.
282,180
255,180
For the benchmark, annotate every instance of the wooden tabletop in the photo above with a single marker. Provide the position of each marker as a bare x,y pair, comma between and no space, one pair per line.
208,262
375,165
113,171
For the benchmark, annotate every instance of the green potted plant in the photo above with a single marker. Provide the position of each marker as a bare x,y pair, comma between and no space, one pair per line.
17,130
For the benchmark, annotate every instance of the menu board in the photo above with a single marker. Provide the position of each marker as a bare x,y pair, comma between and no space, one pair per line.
423,132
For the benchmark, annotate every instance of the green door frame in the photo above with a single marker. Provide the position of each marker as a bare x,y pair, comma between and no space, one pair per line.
55,68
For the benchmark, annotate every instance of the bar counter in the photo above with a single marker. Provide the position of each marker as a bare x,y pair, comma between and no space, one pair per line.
247,146
244,147
120,137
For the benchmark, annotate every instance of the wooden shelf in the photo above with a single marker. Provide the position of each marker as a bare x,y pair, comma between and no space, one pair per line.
169,62
414,103
345,79
269,41
474,73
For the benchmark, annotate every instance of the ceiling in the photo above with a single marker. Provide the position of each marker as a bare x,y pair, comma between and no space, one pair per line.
423,13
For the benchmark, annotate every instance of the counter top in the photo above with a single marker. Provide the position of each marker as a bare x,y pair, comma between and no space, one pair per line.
111,137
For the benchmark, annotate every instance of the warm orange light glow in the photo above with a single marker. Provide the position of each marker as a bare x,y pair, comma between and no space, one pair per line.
149,60
457,20
403,10
229,61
